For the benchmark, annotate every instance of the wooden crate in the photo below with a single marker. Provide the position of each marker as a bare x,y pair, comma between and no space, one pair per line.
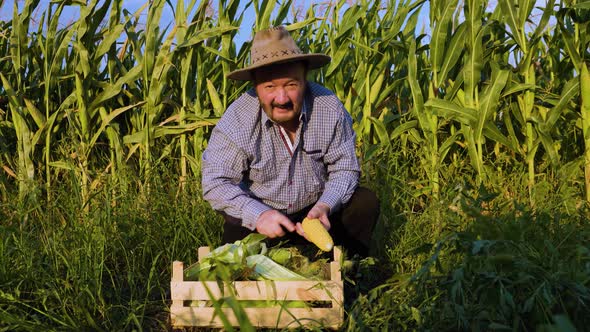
327,291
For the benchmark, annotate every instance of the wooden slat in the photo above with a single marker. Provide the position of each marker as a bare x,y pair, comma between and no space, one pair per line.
177,276
335,271
260,317
261,290
202,252
177,271
337,254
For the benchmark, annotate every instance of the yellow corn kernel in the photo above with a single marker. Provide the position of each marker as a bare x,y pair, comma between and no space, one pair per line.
317,233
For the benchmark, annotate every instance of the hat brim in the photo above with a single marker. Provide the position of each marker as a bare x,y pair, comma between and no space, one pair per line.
314,60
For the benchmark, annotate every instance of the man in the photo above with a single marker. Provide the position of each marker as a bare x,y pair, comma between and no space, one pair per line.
285,150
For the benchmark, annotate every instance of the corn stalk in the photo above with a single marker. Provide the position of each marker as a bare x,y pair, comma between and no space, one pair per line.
576,36
14,84
585,110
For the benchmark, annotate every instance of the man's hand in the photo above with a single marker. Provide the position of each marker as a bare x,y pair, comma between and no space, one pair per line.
269,223
319,211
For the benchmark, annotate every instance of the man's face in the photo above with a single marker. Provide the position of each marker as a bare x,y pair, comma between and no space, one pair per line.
280,89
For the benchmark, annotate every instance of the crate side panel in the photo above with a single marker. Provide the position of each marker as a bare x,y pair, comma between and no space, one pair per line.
259,317
260,290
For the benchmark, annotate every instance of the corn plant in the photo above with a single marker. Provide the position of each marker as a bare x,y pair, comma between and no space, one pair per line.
28,122
107,93
575,29
86,119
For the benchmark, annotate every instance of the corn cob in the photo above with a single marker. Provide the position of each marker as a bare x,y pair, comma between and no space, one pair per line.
317,233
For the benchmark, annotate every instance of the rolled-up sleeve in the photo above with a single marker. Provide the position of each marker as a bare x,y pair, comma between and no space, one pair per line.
223,167
342,164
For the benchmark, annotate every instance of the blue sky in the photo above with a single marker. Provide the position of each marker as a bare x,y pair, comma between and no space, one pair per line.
71,13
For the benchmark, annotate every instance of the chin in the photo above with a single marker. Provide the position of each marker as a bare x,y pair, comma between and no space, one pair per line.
284,118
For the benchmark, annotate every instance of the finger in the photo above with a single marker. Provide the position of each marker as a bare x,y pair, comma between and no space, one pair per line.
313,214
299,229
275,234
288,224
326,222
278,230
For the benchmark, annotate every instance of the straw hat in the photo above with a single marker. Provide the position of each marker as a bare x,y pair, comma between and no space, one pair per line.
272,46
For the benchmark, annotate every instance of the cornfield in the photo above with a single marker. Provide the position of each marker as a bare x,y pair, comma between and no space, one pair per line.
483,88
488,81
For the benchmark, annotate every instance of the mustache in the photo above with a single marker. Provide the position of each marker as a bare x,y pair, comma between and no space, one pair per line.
288,105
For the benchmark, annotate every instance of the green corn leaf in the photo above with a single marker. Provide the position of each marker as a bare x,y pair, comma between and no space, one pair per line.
438,44
452,111
423,119
38,117
337,58
263,13
110,117
452,54
542,24
473,45
63,165
205,34
491,131
108,40
447,144
135,138
510,11
301,24
549,146
56,61
282,12
570,90
215,100
489,100
570,47
585,109
381,131
115,89
518,88
402,129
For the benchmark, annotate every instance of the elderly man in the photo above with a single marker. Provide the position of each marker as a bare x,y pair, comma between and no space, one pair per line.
285,150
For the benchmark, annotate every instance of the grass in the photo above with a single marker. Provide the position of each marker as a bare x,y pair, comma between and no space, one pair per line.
475,260
107,270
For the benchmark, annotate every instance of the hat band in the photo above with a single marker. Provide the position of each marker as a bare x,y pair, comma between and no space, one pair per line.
265,57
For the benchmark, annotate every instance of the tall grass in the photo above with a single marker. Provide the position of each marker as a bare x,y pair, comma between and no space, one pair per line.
106,270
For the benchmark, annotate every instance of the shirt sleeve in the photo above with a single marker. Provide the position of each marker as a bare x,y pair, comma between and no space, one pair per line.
223,167
341,163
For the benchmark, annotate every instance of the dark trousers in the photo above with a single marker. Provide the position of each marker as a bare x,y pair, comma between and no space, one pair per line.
351,227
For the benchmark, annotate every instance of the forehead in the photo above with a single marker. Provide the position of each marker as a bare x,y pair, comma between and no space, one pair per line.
289,70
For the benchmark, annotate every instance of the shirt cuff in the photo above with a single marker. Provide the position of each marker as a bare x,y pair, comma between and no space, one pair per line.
252,210
333,201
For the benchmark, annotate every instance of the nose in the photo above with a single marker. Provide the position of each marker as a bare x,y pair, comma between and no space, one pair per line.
281,96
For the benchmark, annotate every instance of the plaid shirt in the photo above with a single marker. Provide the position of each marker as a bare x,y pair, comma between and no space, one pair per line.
248,167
